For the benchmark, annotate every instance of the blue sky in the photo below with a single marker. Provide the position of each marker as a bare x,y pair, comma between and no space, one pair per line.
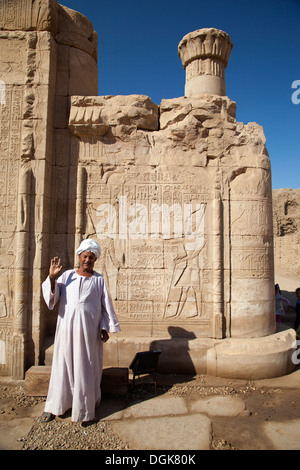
137,53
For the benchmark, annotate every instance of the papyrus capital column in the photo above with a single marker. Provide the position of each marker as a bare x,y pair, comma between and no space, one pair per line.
204,54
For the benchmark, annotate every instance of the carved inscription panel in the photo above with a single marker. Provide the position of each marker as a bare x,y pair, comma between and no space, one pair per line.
151,225
10,140
180,219
10,132
16,18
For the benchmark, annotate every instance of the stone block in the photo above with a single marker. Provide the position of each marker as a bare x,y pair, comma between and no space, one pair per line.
114,381
37,381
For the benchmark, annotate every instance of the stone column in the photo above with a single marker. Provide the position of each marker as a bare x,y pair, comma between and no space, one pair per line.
21,273
204,54
217,263
79,216
27,69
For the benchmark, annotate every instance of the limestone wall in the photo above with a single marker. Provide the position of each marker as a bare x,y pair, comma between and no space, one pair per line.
139,164
43,47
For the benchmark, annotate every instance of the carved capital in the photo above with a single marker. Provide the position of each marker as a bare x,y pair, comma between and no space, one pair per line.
204,54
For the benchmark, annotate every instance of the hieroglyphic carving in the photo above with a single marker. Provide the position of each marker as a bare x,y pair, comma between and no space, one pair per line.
26,14
10,141
251,262
16,18
251,217
152,269
139,184
15,154
251,228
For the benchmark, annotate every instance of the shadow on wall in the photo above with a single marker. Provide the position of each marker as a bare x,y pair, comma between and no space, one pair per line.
177,359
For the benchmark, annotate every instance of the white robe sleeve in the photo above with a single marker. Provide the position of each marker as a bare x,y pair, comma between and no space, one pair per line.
109,321
51,298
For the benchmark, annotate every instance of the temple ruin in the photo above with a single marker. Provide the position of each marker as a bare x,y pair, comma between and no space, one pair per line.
177,194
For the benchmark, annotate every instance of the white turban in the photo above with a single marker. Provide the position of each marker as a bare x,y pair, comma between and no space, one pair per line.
89,245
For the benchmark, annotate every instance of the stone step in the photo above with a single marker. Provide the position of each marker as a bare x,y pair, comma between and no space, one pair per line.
114,381
37,381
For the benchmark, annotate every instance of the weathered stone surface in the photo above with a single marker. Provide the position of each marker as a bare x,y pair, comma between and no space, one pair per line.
200,160
286,223
283,435
114,381
255,358
37,381
37,75
71,21
40,15
167,434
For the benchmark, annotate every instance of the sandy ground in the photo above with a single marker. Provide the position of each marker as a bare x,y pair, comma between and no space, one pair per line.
270,418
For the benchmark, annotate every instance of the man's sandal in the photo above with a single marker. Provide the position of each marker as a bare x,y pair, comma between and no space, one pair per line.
47,417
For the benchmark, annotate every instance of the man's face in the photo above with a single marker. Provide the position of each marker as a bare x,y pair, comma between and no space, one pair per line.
87,261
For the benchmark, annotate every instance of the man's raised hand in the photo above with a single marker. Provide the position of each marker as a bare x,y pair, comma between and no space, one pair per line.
55,267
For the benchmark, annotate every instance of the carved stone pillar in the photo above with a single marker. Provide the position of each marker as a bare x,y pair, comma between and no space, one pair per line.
28,69
21,274
79,217
204,55
217,265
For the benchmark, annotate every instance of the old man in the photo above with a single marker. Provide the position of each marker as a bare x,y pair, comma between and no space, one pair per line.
85,318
